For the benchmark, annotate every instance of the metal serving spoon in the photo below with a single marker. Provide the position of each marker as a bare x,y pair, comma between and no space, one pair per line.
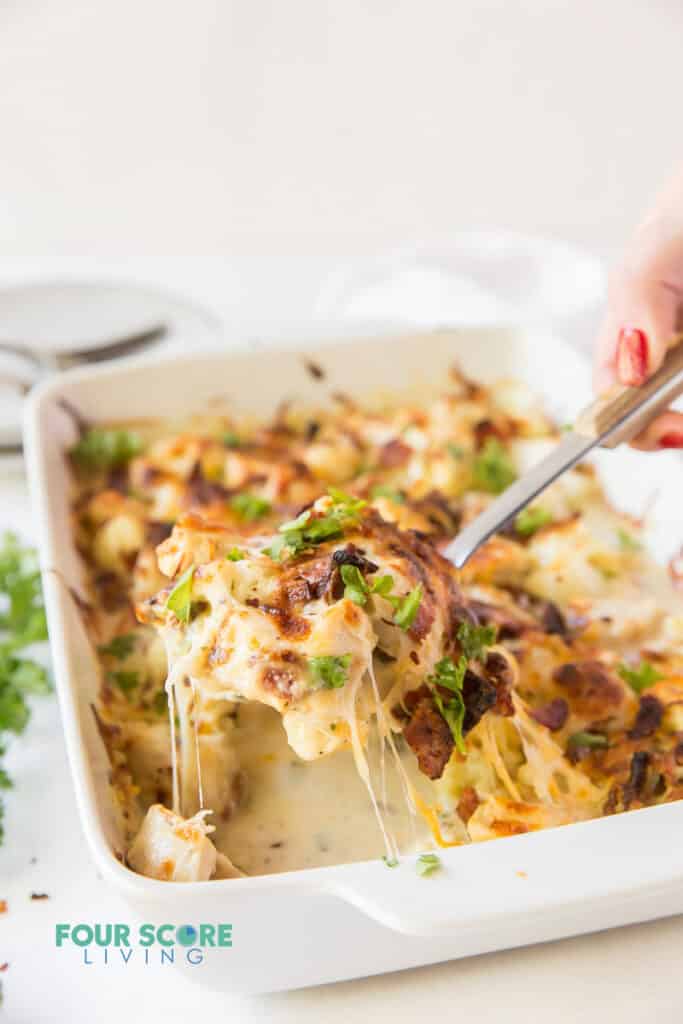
610,420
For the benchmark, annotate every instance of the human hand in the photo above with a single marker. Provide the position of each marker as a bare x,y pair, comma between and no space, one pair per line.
645,311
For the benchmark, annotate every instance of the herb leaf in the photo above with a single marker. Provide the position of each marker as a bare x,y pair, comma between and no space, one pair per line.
390,862
119,647
126,681
230,439
305,531
330,671
235,555
427,864
531,519
591,740
641,677
355,587
382,491
627,542
450,676
492,469
407,608
473,639
180,599
22,622
100,449
249,507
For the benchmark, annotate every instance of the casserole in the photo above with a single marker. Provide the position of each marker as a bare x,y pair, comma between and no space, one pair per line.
326,924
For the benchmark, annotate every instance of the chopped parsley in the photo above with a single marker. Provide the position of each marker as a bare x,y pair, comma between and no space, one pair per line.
641,677
126,681
406,608
100,449
249,507
356,587
230,439
627,542
235,555
532,519
180,599
22,622
390,862
160,702
589,740
493,470
450,675
357,590
330,671
427,864
473,639
119,647
382,491
305,531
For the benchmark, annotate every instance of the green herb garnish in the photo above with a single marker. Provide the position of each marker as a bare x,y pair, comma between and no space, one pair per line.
100,449
406,608
249,507
382,491
126,681
641,677
532,519
330,671
230,439
22,622
456,451
473,639
180,599
160,702
357,589
492,469
627,542
235,555
119,647
427,864
450,675
390,862
591,740
305,531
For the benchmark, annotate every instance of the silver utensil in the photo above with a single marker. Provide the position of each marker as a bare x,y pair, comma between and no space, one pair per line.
610,420
85,353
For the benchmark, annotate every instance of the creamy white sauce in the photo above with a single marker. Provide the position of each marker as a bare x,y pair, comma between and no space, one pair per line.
306,814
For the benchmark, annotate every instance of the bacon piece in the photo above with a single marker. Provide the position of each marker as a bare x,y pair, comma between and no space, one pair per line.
648,719
553,715
394,453
479,696
593,691
428,735
497,669
468,803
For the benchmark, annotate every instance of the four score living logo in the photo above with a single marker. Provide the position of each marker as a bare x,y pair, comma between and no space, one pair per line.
150,944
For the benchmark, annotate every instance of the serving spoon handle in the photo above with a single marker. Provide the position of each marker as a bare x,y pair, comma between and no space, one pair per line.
610,420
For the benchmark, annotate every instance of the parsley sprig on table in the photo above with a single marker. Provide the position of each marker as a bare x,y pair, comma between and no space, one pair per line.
22,622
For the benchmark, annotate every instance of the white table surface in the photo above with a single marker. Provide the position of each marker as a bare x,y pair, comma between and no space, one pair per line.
238,151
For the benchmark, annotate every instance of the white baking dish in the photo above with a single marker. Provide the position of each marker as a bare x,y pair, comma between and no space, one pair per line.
307,927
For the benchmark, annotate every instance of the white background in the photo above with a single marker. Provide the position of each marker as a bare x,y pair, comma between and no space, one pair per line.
241,149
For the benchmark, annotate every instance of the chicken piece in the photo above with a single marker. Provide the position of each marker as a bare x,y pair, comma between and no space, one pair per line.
174,849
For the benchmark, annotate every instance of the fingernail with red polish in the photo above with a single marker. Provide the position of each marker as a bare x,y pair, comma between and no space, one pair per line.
674,439
632,356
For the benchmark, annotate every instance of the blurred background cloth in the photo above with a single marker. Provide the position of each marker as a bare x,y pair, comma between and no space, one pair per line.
328,129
